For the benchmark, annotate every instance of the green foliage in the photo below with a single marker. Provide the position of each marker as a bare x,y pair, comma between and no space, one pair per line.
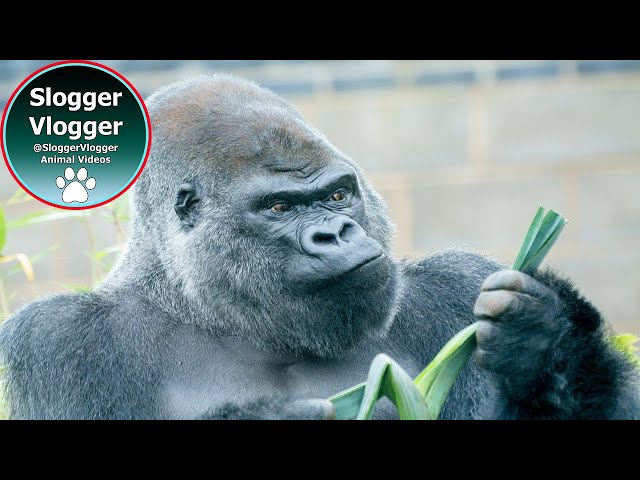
387,378
347,403
541,236
43,216
75,287
436,380
429,389
33,258
625,343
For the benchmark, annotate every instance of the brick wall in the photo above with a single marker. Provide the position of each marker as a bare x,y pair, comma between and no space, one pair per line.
463,151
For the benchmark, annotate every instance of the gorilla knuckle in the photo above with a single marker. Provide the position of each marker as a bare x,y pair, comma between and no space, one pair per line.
505,280
495,303
484,358
486,333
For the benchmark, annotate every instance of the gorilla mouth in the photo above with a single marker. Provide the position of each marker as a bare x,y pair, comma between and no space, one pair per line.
367,263
362,264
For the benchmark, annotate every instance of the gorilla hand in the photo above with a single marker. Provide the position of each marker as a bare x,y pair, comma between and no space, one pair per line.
270,408
520,321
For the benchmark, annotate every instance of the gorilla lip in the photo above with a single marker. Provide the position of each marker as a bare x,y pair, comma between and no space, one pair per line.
362,264
328,281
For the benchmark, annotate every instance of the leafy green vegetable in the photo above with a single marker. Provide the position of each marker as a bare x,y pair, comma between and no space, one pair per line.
387,378
541,236
529,239
347,402
436,380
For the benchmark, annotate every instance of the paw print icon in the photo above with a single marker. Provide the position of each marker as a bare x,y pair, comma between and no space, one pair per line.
75,190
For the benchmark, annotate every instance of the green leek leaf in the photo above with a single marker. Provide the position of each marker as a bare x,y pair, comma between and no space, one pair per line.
347,403
388,378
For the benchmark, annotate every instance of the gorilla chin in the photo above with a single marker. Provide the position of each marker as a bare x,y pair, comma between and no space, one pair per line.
333,315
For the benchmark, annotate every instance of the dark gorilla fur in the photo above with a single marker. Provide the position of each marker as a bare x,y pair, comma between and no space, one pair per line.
208,313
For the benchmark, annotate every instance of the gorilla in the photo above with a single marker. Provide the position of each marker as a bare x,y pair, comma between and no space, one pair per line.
258,280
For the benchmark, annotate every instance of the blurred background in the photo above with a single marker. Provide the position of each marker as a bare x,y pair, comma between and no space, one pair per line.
463,151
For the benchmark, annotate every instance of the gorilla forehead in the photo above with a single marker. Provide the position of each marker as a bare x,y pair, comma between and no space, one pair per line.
237,126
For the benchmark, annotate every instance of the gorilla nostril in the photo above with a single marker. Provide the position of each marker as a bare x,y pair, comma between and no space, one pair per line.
347,232
324,238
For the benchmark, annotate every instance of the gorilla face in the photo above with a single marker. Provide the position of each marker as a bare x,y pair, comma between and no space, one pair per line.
276,235
292,259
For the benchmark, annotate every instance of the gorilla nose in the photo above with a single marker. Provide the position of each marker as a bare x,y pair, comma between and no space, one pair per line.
319,239
334,248
335,232
340,237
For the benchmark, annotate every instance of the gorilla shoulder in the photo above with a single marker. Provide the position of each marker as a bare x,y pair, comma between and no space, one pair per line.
48,320
69,318
451,266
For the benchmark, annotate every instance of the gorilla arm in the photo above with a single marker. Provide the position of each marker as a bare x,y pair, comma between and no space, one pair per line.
543,350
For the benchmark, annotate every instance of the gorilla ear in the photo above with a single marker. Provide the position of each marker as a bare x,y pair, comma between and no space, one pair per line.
186,200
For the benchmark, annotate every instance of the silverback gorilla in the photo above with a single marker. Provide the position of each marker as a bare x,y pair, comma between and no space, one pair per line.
258,280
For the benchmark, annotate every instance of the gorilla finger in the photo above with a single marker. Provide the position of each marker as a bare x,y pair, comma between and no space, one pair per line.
495,304
311,409
487,333
515,281
486,359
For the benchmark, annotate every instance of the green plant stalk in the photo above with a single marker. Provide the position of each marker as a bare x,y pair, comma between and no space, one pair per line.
347,403
387,378
437,379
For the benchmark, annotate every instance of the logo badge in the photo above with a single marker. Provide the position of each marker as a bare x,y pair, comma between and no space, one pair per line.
75,134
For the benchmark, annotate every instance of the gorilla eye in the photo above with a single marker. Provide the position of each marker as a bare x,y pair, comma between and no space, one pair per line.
338,196
280,207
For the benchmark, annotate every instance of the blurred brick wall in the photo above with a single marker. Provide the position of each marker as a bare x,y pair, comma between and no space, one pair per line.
463,151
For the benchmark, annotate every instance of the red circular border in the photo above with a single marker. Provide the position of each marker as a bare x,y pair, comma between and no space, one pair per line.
6,157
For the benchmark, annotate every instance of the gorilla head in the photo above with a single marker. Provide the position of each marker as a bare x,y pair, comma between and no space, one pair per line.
267,229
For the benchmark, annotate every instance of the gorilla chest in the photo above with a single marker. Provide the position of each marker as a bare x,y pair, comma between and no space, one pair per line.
204,373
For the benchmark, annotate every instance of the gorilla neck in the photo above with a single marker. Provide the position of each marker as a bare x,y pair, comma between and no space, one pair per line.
141,271
320,324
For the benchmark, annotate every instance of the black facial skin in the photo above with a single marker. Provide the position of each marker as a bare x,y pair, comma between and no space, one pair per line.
258,280
316,219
